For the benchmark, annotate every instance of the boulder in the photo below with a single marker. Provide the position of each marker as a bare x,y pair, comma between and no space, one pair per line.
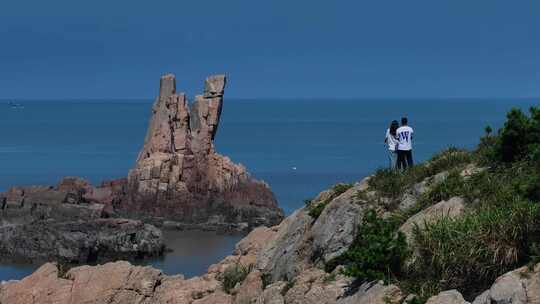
118,282
312,286
250,289
520,286
336,227
448,297
302,241
453,207
273,294
374,293
285,254
218,297
411,196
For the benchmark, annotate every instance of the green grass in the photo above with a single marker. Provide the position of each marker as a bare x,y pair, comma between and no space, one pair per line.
393,183
235,274
499,231
488,242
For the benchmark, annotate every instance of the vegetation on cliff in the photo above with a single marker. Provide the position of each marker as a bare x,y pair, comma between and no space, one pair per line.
498,231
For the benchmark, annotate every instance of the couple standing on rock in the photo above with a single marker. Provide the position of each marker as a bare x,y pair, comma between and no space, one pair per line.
399,141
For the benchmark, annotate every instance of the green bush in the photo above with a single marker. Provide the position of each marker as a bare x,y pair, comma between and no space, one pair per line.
487,243
519,136
339,189
316,210
528,186
451,158
377,252
235,274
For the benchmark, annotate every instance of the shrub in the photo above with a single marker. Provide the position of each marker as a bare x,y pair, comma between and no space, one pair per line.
316,210
519,136
488,242
451,158
528,186
235,274
266,279
377,252
339,189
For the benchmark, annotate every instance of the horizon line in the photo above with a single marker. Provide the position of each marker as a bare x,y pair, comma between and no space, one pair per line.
268,98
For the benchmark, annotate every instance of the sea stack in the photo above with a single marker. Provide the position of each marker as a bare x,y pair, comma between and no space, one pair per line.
180,177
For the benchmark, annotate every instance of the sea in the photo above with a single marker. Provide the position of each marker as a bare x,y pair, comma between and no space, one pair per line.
298,146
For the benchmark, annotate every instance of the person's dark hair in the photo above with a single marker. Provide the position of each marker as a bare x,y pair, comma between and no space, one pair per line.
393,127
404,121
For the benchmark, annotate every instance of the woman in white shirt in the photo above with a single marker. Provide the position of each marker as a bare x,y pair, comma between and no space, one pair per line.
392,141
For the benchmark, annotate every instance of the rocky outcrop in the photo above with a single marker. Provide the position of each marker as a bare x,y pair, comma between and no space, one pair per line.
65,224
179,181
451,208
374,293
284,268
180,177
447,297
301,242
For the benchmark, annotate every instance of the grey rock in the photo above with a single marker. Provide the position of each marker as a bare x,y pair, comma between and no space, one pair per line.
285,254
374,293
508,289
273,294
454,207
447,297
334,230
80,242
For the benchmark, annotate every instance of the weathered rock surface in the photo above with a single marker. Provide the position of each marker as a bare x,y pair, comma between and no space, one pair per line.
179,175
117,282
286,259
378,293
452,208
301,242
447,297
61,223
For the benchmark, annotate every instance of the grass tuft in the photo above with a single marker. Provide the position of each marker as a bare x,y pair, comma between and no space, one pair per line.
235,274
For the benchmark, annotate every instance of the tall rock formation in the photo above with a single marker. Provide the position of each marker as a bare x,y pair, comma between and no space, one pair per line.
178,174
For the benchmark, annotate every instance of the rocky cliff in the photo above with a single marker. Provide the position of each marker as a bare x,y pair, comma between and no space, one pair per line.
65,224
280,265
289,263
179,176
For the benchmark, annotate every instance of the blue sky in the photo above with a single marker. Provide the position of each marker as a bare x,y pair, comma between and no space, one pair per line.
295,48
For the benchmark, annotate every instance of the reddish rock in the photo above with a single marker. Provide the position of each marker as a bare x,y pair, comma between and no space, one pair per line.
179,175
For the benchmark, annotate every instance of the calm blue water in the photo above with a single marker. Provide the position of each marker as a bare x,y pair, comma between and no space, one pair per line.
327,140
